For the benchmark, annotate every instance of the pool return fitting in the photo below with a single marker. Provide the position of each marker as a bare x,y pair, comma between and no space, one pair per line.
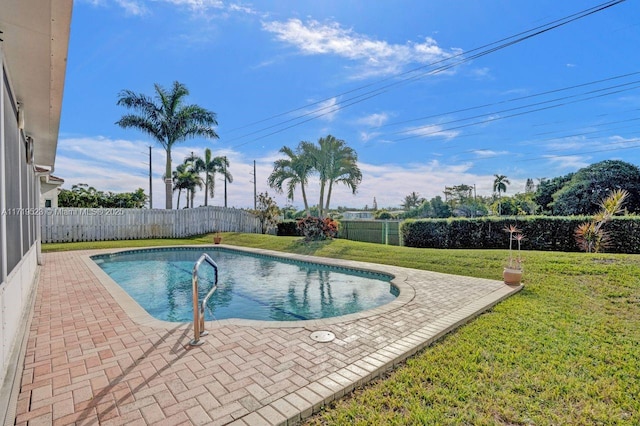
198,308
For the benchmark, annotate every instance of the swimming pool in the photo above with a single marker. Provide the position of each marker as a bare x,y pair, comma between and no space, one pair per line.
250,286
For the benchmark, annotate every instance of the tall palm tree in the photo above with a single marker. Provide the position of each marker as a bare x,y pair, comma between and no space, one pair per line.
295,169
500,185
210,166
335,163
167,120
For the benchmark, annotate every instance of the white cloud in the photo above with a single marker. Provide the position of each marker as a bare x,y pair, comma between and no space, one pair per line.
374,56
325,110
201,6
374,120
567,162
564,144
481,73
487,153
197,4
367,136
431,131
198,7
133,7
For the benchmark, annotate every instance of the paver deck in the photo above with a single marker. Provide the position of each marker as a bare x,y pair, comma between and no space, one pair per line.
93,358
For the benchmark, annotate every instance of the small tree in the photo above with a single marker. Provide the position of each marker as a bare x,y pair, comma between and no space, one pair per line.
267,211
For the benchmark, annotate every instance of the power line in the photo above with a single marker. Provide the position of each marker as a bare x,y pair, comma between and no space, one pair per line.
492,119
498,45
563,89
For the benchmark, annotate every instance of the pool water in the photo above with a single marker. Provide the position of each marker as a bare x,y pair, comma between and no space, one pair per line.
250,286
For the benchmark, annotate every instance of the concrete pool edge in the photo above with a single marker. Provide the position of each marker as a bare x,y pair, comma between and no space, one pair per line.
141,317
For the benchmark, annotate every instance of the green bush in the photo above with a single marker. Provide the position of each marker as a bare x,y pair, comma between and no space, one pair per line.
541,233
383,215
288,228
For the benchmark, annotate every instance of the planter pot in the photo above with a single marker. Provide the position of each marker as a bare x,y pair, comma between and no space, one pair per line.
512,276
217,240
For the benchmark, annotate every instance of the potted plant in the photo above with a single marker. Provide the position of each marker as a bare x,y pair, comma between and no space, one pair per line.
217,238
512,273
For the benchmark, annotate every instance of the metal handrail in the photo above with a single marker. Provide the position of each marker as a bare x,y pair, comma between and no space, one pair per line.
198,311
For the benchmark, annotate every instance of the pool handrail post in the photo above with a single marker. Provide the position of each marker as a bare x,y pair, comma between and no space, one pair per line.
198,308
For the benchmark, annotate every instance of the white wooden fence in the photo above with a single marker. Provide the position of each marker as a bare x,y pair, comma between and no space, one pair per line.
76,224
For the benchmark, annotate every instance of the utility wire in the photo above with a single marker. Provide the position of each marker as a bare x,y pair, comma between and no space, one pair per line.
492,119
506,42
489,114
563,89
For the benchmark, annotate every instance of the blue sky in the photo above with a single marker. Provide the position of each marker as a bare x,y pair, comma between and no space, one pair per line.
278,72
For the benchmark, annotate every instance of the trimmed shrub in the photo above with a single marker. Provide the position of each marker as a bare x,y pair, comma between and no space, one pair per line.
541,232
383,215
288,228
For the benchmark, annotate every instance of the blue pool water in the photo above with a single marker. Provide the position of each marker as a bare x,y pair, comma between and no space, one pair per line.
249,286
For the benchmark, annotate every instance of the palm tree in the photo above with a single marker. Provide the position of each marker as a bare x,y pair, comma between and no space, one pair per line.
186,177
336,163
167,120
194,180
210,166
180,178
500,185
412,200
295,169
193,177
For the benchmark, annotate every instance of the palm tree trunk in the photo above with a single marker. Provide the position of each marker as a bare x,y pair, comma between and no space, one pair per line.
326,207
304,198
168,190
321,199
179,192
206,188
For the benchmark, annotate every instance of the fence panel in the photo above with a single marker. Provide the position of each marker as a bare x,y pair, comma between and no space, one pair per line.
76,224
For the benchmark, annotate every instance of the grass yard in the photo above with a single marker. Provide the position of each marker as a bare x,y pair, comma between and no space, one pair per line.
565,350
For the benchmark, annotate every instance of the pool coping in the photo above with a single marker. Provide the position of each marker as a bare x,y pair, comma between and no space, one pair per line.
141,317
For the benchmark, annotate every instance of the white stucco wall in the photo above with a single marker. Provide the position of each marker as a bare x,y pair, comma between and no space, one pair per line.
49,191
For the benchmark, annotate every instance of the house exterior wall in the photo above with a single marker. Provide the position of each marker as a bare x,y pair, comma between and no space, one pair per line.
33,58
18,223
49,191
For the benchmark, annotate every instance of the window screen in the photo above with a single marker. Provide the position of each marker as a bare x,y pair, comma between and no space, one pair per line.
12,179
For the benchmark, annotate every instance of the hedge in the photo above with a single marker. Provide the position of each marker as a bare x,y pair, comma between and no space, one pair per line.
541,233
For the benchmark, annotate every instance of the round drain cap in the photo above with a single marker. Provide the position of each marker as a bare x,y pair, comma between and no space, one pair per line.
323,336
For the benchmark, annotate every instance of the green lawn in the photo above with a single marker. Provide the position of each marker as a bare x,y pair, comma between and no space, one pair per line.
565,350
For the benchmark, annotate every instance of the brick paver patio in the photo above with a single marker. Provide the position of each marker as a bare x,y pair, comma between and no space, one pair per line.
93,359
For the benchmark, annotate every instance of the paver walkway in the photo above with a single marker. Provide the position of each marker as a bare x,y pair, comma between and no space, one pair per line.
89,362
